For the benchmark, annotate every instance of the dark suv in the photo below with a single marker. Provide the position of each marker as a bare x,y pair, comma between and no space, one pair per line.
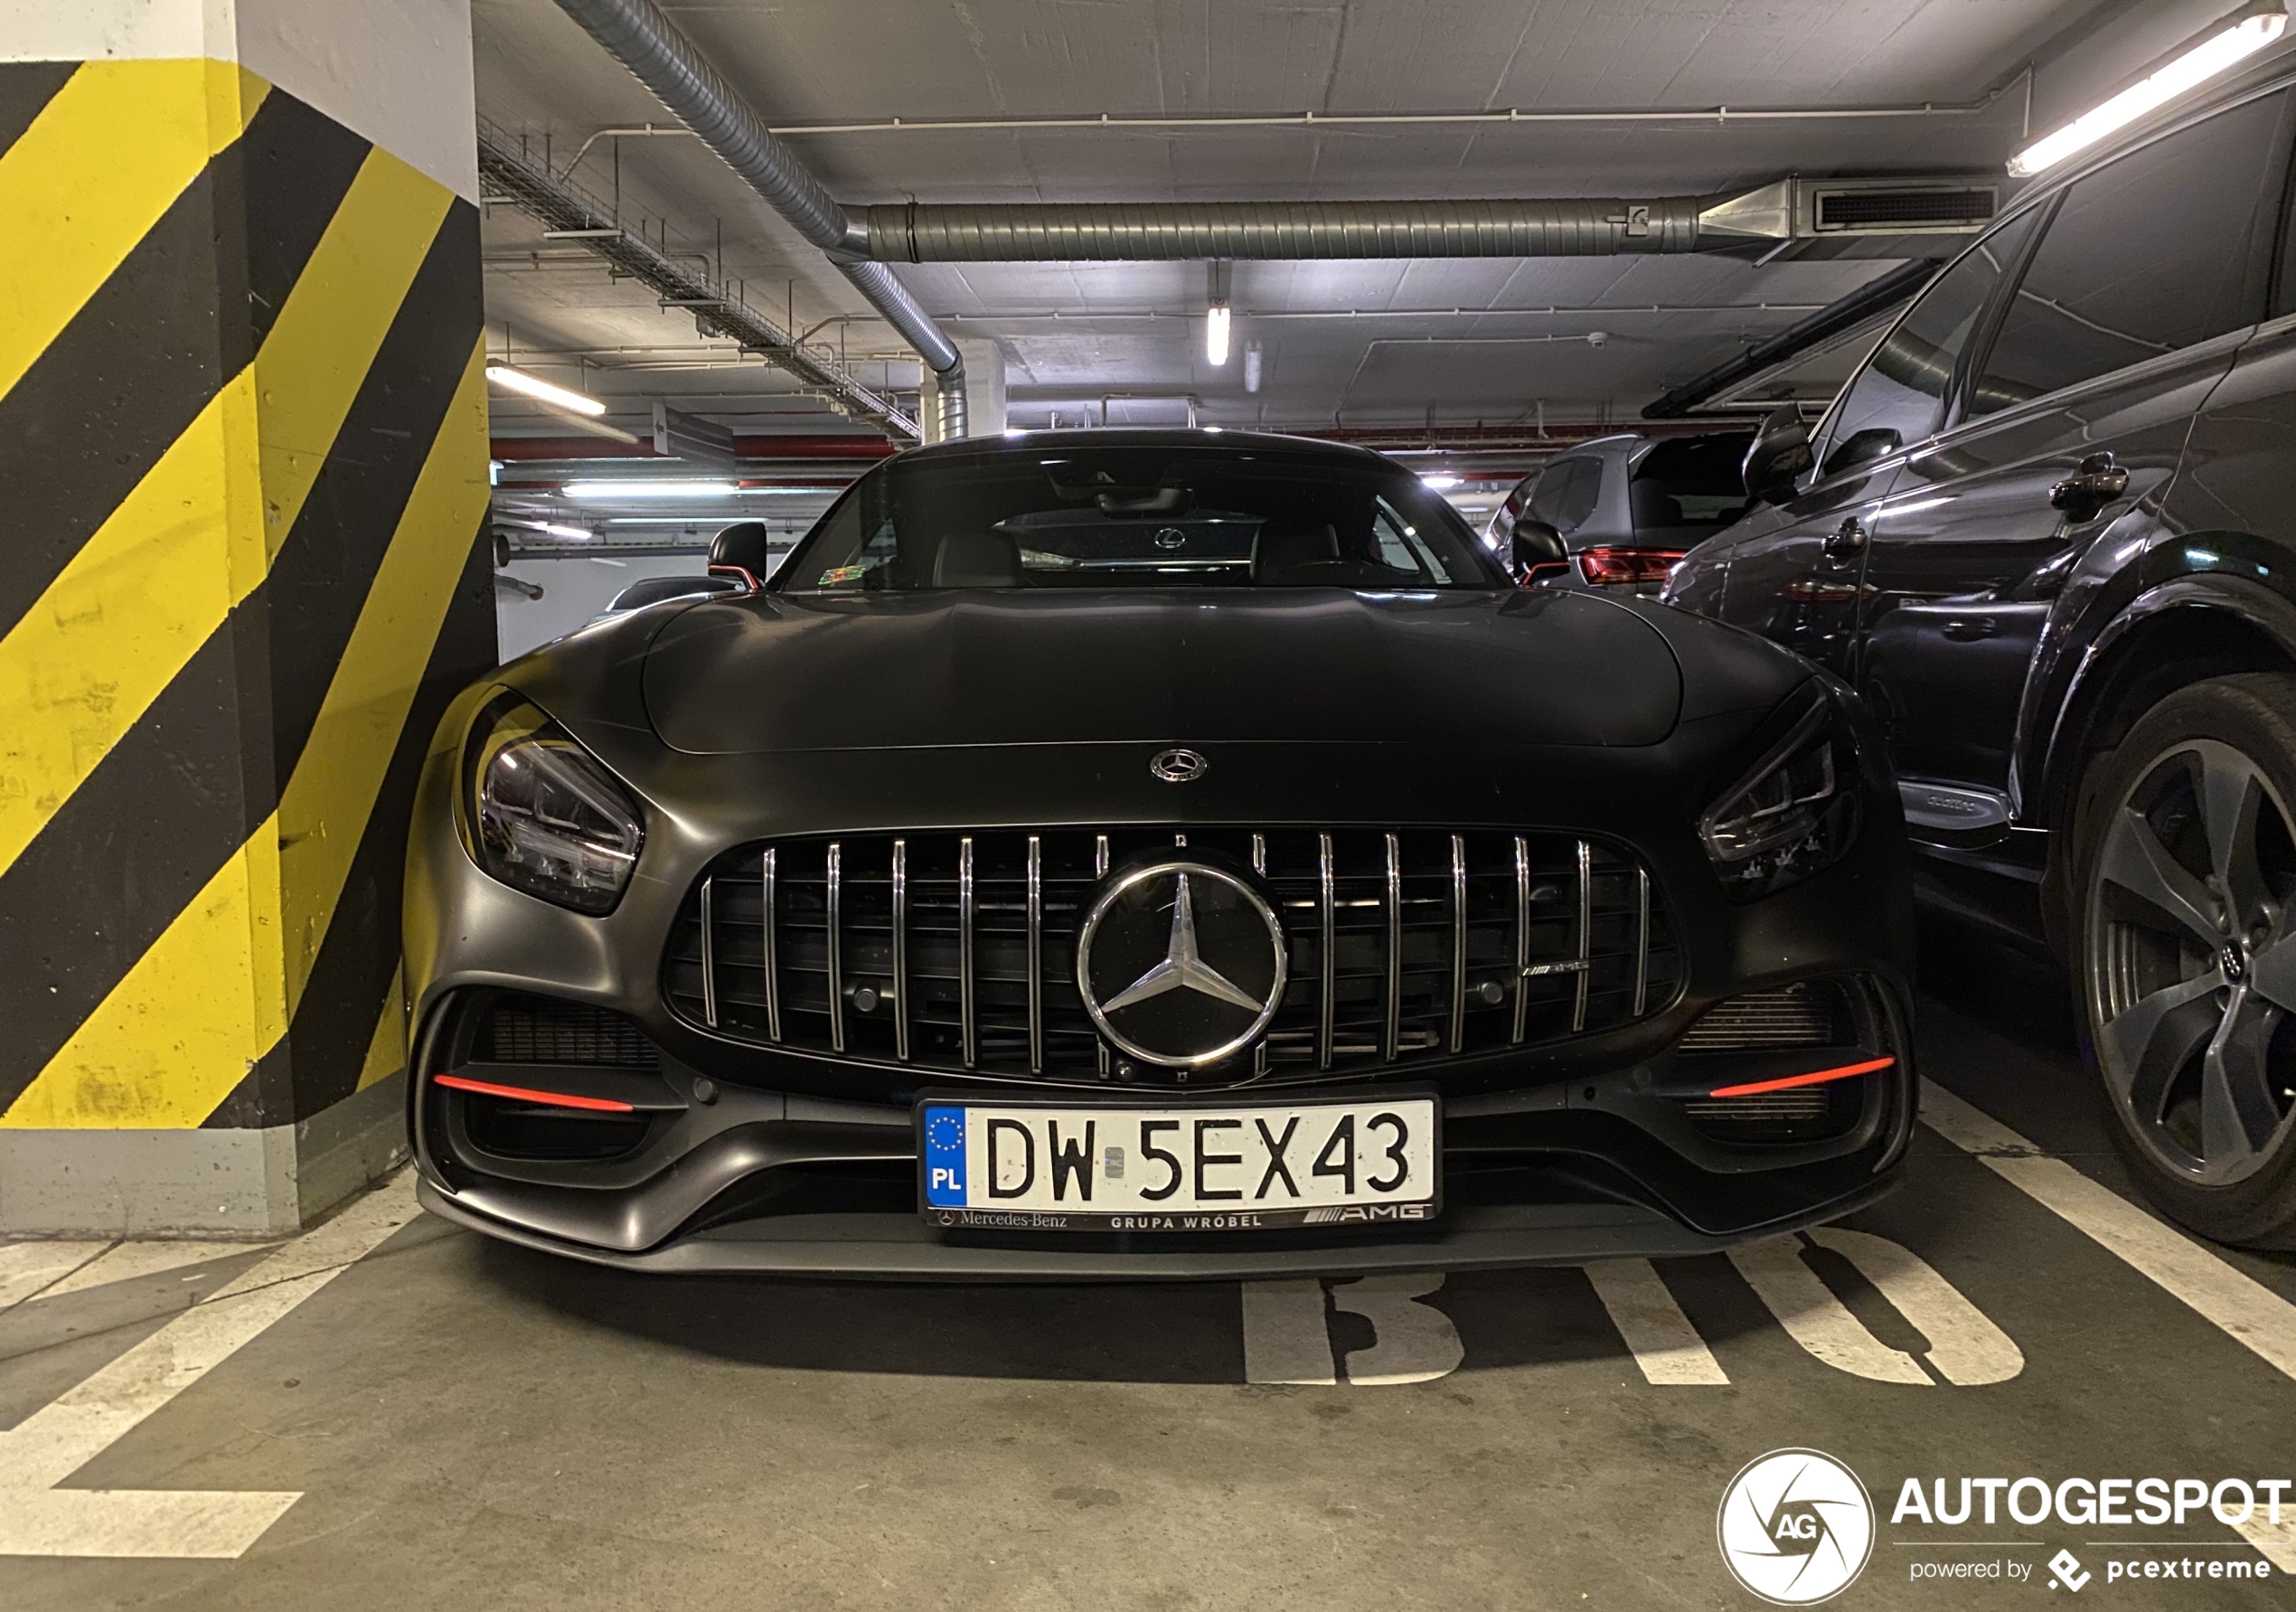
2049,531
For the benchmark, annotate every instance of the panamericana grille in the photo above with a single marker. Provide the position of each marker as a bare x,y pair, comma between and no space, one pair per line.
957,951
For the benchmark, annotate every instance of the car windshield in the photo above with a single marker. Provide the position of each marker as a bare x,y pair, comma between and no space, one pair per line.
1139,516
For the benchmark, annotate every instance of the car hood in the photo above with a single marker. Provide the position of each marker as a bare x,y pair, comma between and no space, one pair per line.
774,673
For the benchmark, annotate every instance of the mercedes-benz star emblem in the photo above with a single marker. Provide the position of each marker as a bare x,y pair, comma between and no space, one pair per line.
1178,767
1182,963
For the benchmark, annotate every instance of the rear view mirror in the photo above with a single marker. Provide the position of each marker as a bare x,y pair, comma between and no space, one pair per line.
1535,550
1778,457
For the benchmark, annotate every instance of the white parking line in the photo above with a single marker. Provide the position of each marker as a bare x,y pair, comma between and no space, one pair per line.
2244,1307
38,1519
1666,1346
1817,1320
26,1268
124,1262
1964,1345
1286,1338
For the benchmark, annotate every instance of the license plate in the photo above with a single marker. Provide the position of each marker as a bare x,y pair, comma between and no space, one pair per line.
1250,1167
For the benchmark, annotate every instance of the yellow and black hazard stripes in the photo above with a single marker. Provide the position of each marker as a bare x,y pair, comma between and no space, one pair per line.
263,581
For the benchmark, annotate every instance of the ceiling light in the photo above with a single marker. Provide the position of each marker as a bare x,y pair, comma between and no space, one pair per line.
542,391
1216,333
2226,49
649,489
1440,479
1212,430
1251,366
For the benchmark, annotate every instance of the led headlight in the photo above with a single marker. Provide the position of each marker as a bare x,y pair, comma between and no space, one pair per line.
1793,813
545,815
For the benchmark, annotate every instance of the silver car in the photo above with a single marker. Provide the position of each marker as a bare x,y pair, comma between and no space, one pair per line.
1615,512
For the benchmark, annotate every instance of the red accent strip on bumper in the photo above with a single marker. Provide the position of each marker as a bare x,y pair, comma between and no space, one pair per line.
557,1100
1815,1078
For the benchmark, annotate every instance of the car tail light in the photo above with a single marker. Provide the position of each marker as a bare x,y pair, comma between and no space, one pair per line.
1625,568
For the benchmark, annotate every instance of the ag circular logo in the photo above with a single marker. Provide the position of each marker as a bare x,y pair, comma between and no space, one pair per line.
1181,962
1796,1527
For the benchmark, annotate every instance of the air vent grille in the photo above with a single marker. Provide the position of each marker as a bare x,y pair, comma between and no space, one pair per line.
1966,208
542,1029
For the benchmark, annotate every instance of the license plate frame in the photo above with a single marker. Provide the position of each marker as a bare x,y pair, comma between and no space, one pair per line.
1028,1213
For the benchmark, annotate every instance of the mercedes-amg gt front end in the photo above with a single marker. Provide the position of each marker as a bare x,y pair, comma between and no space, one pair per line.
1153,855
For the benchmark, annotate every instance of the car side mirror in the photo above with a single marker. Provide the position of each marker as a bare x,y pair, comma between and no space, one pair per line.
1536,548
1778,457
744,552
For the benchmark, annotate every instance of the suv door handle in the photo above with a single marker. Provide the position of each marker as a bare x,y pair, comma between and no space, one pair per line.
2097,483
1848,540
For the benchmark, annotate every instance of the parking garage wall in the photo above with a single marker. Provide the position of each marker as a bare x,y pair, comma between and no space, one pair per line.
242,428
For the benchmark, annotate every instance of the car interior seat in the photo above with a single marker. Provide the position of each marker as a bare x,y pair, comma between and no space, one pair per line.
1294,551
978,560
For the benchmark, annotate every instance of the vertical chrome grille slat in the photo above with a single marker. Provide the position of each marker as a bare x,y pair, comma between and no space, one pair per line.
1522,940
832,884
1323,992
1395,946
1458,942
710,953
1585,934
1259,855
1642,937
1036,955
967,1031
1100,871
900,950
773,970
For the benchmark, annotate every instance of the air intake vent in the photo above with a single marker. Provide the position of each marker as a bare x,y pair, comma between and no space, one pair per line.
1802,1015
1867,210
958,951
541,1030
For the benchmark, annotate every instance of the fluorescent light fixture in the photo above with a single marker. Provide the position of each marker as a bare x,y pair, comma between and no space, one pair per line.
649,489
2227,49
1440,479
1015,431
1216,333
694,521
1251,366
542,391
1211,431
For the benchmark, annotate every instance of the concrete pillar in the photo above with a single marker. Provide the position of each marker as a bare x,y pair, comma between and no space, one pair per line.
984,400
243,436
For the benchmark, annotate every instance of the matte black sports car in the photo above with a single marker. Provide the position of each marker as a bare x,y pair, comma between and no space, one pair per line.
1153,853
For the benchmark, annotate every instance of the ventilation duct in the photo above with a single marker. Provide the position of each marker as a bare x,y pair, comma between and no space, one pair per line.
635,33
1158,231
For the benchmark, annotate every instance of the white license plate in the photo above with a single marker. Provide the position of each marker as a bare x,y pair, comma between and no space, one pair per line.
1251,1167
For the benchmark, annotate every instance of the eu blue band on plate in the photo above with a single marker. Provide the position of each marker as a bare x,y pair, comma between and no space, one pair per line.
945,1157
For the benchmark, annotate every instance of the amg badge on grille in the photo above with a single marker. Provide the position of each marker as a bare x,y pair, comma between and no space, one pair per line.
1181,962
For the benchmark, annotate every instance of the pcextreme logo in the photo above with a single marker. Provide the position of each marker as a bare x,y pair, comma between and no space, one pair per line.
1795,1527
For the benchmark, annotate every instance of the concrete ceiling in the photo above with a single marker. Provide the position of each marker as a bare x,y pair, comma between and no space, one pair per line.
1352,343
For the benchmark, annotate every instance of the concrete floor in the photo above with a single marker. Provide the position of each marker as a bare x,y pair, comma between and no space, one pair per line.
473,1426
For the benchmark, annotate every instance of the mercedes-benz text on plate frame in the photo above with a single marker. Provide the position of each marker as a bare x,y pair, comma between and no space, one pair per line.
1178,767
1181,962
1370,1161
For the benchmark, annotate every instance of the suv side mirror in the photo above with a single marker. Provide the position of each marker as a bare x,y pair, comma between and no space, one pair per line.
1778,457
1536,548
742,551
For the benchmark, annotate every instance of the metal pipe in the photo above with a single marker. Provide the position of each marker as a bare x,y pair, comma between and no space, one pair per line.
1164,231
641,38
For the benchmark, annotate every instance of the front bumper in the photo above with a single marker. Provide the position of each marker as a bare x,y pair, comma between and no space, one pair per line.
902,1248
